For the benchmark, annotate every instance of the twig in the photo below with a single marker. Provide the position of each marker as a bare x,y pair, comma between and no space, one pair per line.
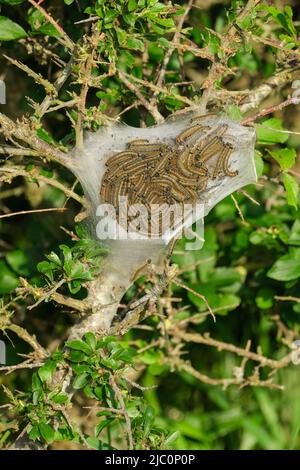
182,365
117,411
288,298
21,171
23,132
61,105
220,68
247,195
136,385
24,365
275,82
87,20
67,40
120,399
85,73
44,106
171,49
6,150
294,54
37,292
39,351
34,211
271,109
160,89
195,319
238,209
202,297
190,267
48,86
220,345
147,105
48,294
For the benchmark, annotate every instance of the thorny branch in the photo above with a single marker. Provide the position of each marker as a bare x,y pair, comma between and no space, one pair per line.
63,37
170,50
22,131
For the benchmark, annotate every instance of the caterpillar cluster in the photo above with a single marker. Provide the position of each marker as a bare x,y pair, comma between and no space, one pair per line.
159,173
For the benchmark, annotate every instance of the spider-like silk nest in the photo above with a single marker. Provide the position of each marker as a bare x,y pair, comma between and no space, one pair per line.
89,165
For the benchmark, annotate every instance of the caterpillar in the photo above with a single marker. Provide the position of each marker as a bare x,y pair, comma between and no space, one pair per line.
159,173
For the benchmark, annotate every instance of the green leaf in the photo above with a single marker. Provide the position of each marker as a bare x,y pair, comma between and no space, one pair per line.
259,164
133,43
44,135
289,20
80,368
54,258
269,237
283,18
264,298
39,23
46,371
47,269
292,190
47,172
110,16
102,425
172,438
122,35
74,286
8,280
157,369
125,355
91,340
149,417
13,2
81,381
34,433
285,157
132,4
110,363
165,22
79,271
10,30
296,307
68,261
151,356
77,356
105,341
227,302
132,409
94,443
286,268
89,391
79,345
163,42
46,431
294,238
269,132
129,19
19,261
98,391
224,277
60,398
36,383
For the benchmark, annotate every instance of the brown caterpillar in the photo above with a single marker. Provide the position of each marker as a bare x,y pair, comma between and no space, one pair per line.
158,173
